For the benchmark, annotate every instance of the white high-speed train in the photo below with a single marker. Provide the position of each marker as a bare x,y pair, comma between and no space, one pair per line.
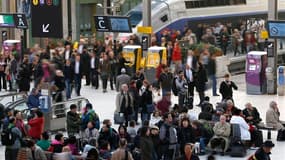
175,14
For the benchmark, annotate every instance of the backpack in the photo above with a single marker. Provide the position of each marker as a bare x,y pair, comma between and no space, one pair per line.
8,138
174,87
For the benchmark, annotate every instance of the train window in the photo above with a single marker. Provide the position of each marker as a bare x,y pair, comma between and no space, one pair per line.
212,3
135,17
164,18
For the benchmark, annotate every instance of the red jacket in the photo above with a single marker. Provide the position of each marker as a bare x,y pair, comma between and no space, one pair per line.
176,54
37,127
163,105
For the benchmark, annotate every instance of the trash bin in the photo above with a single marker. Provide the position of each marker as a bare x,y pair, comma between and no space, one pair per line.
270,80
280,81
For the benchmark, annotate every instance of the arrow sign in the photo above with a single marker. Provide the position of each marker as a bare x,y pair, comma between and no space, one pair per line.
45,28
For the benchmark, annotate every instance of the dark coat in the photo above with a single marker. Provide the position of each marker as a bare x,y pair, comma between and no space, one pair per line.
145,100
165,80
68,72
185,135
261,155
110,136
147,148
23,78
80,67
201,79
72,122
85,62
96,63
254,113
227,89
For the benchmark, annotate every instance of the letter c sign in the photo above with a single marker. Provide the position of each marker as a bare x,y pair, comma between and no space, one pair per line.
101,23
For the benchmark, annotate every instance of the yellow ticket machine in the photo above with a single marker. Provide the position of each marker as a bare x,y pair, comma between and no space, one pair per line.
133,55
155,56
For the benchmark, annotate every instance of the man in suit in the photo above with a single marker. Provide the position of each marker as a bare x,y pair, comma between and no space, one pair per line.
67,52
77,74
85,58
189,75
123,78
94,66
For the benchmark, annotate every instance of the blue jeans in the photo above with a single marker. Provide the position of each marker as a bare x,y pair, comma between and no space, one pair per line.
68,88
202,144
164,91
214,84
145,116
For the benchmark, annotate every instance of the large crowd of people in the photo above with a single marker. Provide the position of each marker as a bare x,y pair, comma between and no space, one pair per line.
164,129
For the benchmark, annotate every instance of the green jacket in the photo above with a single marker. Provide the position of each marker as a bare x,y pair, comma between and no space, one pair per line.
73,122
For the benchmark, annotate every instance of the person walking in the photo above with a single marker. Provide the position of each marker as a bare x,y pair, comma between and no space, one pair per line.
226,88
104,71
201,82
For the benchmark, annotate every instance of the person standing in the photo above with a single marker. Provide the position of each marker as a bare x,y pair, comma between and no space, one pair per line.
226,88
224,39
94,67
77,74
36,125
146,145
72,121
37,70
68,73
114,68
23,78
181,83
189,74
85,57
212,74
12,150
124,103
123,78
147,103
201,82
3,65
13,67
105,71
168,137
165,80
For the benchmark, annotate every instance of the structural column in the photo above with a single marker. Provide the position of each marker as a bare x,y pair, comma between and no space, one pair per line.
272,61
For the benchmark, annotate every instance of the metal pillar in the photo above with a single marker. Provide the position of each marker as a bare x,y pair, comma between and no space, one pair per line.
272,61
147,18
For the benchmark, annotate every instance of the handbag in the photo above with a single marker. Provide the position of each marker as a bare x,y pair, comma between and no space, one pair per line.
150,108
281,135
119,118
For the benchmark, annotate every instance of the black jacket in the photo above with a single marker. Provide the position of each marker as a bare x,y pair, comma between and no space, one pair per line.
68,72
185,135
254,113
146,99
201,79
261,155
226,89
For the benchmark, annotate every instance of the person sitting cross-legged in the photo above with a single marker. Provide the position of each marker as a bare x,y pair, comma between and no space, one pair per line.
222,131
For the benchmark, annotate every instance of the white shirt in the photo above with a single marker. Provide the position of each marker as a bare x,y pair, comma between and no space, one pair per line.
244,127
92,63
67,54
76,67
189,61
80,49
189,75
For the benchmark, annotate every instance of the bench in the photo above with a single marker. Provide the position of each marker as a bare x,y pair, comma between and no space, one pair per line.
268,129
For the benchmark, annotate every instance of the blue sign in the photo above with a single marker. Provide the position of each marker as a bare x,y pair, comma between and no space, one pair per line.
276,29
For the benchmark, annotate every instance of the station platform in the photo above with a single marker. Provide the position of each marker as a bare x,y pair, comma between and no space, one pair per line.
104,105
